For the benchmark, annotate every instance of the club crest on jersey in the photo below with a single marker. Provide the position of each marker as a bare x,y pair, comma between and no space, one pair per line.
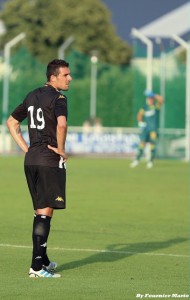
59,198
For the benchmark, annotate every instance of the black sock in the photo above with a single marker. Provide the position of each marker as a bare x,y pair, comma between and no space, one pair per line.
41,228
46,260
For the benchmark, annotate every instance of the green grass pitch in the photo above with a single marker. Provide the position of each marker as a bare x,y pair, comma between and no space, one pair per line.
125,232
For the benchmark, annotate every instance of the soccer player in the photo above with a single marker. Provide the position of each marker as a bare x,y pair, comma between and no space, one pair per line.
148,121
45,159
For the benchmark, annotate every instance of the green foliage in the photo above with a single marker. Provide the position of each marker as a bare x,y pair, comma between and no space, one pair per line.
115,96
182,57
114,93
48,24
114,88
28,74
175,102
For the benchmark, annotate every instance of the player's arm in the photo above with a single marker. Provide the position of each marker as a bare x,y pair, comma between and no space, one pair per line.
140,116
61,132
61,137
14,128
159,99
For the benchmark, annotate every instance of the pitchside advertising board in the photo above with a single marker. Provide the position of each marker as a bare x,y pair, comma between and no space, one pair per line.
121,141
79,142
101,143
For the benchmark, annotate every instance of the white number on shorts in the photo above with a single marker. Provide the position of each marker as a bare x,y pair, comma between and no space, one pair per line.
39,117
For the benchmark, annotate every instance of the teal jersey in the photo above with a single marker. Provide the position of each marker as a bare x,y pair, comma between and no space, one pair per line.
151,116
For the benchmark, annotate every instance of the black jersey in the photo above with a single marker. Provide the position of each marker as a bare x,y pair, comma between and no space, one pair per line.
42,107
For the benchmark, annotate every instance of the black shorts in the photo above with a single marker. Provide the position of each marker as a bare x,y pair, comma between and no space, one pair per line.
47,186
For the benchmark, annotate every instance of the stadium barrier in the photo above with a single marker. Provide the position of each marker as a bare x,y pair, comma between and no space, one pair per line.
108,141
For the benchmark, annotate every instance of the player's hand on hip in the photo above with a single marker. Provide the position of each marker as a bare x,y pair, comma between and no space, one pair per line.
59,152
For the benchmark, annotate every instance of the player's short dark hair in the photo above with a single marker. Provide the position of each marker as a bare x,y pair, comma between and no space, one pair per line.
53,67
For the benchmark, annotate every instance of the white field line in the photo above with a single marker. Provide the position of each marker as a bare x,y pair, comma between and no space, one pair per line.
99,251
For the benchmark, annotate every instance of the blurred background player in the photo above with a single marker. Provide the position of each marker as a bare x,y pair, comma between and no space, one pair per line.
148,121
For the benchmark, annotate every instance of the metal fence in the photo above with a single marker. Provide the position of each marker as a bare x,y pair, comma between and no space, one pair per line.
119,95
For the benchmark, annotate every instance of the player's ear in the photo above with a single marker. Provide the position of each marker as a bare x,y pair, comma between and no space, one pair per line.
52,78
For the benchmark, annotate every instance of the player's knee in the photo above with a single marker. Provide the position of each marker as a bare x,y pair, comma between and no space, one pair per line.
153,136
141,145
47,211
40,229
152,146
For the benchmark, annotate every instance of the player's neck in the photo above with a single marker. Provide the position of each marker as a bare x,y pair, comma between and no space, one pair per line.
52,85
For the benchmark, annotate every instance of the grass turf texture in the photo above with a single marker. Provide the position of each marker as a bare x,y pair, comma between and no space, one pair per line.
138,216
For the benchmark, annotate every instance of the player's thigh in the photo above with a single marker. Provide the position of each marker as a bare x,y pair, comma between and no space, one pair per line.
47,186
143,137
51,187
153,137
31,174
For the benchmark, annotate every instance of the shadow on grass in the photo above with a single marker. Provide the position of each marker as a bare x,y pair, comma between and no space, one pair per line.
116,252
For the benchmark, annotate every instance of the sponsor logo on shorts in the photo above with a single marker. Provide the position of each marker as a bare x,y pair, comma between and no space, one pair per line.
59,198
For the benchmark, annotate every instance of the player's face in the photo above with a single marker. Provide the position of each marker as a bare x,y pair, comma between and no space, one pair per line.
150,101
62,80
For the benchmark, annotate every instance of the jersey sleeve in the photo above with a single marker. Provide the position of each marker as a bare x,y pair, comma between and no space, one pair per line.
158,106
19,113
61,106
